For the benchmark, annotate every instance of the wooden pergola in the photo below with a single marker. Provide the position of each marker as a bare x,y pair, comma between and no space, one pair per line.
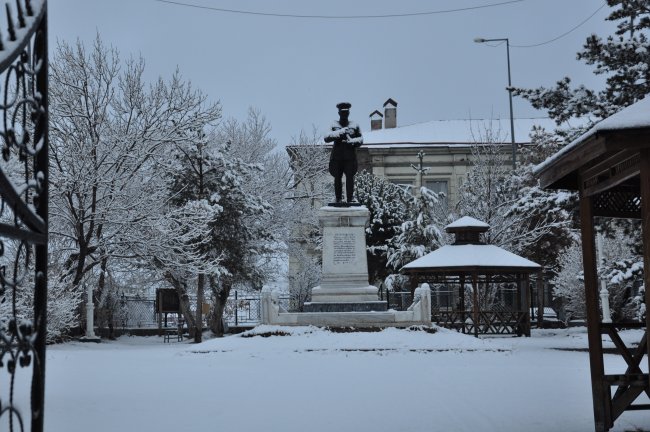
469,261
610,168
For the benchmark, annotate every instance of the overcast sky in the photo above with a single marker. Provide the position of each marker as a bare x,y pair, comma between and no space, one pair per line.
295,70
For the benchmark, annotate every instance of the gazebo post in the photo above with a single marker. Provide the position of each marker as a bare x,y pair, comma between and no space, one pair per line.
475,306
526,307
599,392
540,299
645,220
461,296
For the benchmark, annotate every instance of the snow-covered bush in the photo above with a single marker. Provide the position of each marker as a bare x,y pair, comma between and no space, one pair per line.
568,284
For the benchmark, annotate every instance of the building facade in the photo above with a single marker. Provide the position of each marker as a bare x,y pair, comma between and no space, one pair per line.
436,154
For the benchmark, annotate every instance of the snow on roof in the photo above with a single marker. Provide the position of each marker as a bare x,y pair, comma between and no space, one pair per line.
463,256
634,116
467,222
456,131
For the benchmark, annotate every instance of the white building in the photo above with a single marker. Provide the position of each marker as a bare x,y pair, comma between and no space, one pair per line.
391,151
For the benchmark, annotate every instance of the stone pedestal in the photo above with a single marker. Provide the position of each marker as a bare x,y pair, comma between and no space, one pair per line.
345,268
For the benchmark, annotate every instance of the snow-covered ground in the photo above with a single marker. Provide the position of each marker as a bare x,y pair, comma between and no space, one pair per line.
314,380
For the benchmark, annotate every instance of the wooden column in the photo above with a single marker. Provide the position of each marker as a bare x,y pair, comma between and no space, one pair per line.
475,306
540,299
520,294
461,294
600,393
645,219
526,308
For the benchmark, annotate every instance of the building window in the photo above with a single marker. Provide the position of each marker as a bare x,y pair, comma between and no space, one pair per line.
405,184
439,186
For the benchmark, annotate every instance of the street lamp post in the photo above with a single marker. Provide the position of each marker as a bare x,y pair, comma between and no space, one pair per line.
512,120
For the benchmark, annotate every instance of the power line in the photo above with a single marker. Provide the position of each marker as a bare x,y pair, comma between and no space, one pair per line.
279,15
563,34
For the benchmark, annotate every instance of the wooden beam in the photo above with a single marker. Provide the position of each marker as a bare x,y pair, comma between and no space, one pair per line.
610,173
603,165
600,395
572,161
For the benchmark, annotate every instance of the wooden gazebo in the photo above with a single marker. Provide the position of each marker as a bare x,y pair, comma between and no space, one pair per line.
610,167
487,269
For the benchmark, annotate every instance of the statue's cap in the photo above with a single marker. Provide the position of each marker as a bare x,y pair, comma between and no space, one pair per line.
344,106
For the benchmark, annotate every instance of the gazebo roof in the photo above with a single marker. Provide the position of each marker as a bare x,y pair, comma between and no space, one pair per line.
467,223
471,257
610,147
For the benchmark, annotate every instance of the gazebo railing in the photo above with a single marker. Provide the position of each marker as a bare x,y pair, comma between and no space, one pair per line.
497,319
495,322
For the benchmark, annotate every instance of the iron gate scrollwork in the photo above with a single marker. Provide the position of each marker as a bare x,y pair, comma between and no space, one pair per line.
23,213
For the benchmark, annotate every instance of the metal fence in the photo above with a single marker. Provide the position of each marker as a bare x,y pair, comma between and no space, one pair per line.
137,313
240,310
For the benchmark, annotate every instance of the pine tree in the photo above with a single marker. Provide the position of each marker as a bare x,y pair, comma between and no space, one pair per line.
420,233
389,207
623,57
235,234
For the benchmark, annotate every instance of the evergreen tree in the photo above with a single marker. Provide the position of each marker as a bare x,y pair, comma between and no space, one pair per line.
623,57
420,233
389,207
236,235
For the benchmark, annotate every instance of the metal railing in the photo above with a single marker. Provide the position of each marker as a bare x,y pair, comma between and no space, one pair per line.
240,310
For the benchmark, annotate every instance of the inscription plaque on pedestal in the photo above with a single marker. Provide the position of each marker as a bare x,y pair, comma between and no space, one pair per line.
344,248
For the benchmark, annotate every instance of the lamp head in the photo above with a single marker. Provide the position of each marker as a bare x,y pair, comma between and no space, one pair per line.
479,40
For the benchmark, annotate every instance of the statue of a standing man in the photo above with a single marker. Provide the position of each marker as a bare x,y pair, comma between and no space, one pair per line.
346,136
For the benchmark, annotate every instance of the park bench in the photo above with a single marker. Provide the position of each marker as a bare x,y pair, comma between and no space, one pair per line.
170,333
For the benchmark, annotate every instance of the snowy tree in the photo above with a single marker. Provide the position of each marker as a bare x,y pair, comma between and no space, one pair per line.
618,266
250,141
389,207
550,213
623,58
568,283
520,214
421,232
309,187
195,206
107,129
242,236
17,263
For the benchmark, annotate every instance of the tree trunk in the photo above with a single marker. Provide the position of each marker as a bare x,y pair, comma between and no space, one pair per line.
198,335
184,303
220,299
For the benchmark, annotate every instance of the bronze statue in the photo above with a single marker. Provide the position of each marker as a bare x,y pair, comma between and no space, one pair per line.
346,136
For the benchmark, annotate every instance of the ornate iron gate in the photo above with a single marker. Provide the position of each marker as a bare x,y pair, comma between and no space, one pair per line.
23,212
